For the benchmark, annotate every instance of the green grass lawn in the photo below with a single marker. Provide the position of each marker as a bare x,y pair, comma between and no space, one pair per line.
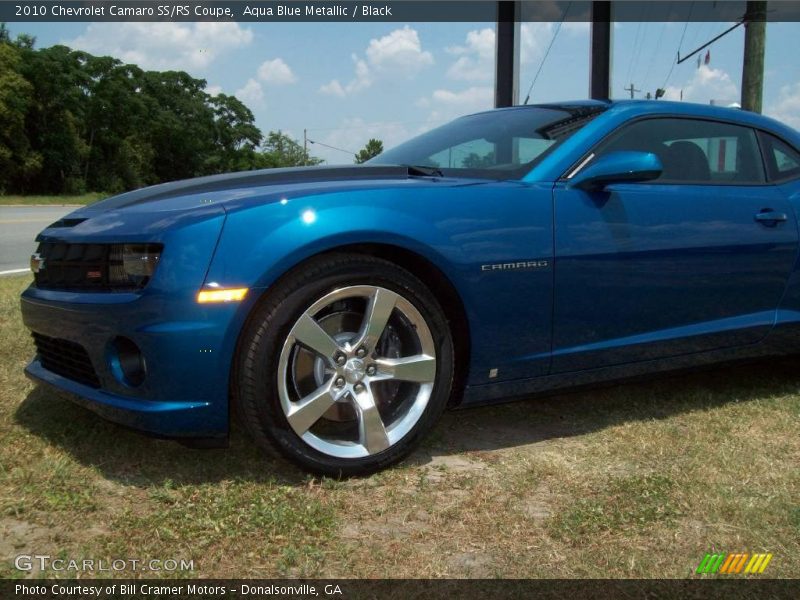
52,200
639,480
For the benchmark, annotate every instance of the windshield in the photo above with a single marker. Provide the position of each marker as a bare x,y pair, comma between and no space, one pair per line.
502,144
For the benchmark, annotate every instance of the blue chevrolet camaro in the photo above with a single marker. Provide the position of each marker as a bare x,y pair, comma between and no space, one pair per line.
338,310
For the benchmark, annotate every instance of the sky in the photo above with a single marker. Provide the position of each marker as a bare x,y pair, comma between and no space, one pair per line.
348,82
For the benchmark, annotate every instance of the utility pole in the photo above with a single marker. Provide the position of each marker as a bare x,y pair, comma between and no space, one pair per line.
755,37
305,147
631,89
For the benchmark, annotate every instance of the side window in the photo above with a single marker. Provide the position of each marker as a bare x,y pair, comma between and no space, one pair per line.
783,161
694,150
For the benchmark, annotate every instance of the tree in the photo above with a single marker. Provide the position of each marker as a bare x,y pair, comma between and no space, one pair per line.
371,150
17,161
71,122
279,150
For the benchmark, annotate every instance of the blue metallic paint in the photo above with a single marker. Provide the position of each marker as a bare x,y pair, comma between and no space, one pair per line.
639,277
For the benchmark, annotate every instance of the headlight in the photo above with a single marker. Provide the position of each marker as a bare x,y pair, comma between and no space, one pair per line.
133,264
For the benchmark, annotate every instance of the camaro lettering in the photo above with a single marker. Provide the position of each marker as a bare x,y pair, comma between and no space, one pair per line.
516,266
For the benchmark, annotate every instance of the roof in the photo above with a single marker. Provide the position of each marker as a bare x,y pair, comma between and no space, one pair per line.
668,107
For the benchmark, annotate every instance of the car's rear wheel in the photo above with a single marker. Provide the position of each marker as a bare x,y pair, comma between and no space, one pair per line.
345,365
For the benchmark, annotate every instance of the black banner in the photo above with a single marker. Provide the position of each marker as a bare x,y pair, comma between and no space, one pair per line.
346,589
388,11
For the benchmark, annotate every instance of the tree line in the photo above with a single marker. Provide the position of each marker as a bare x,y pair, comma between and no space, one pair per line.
71,122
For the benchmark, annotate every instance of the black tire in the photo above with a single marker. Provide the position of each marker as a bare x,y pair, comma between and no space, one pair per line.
255,386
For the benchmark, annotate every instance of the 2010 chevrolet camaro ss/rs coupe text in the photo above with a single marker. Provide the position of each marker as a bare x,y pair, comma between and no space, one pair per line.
338,311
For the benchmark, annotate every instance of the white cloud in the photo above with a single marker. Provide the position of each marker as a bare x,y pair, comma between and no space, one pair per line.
475,60
213,90
163,46
446,104
276,72
706,84
534,39
399,53
251,93
787,108
476,96
333,88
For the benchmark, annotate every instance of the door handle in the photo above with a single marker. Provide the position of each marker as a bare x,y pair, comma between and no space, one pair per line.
769,217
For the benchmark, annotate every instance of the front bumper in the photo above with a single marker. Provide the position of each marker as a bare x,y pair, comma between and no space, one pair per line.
187,351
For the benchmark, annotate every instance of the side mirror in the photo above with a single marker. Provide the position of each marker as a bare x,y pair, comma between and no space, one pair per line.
617,167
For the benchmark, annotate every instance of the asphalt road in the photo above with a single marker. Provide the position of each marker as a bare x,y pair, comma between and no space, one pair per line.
18,228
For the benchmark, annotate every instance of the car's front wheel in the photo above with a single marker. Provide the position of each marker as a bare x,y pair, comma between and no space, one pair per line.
345,365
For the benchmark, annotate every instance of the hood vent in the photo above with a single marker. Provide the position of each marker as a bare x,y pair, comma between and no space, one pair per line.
66,223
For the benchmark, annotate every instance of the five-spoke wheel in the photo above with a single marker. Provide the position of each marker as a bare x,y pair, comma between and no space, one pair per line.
356,355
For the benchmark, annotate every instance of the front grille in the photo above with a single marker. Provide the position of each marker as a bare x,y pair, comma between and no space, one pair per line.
84,268
66,358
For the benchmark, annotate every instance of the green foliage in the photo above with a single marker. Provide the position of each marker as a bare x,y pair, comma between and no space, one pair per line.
371,150
17,160
72,122
279,150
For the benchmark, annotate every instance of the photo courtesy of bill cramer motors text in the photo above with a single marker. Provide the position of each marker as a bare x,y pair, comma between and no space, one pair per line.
399,299
136,589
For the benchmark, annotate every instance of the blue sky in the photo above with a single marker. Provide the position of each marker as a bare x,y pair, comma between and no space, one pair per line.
347,82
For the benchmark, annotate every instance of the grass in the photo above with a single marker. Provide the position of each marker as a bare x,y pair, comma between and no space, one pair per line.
639,480
52,200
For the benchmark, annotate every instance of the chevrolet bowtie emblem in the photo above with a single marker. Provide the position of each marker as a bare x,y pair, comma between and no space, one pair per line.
37,262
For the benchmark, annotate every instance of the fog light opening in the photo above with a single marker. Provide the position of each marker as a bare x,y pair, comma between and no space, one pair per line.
127,362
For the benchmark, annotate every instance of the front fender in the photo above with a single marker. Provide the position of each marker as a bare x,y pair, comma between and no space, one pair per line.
456,229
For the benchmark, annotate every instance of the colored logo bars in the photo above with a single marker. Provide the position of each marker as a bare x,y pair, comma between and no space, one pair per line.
731,564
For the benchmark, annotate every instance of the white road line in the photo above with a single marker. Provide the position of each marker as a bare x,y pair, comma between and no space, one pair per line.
15,271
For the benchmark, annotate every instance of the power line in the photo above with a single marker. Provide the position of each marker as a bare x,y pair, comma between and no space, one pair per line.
680,43
332,147
547,52
634,49
649,71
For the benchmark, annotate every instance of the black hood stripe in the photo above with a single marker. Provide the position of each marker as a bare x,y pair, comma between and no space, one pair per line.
213,183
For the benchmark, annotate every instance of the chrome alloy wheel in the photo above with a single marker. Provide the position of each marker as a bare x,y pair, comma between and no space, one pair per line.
356,371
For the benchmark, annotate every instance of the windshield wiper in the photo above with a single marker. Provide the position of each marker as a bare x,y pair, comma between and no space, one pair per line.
424,171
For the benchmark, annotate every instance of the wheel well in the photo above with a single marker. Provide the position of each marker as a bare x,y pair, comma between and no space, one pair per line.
441,287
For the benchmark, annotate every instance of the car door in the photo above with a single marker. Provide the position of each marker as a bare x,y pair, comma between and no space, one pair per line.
695,260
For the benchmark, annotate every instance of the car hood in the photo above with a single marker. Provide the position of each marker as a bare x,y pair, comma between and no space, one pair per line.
148,212
227,187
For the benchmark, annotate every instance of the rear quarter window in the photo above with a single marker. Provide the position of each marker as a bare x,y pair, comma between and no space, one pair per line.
782,161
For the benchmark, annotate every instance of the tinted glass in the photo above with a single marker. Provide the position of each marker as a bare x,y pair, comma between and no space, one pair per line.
499,145
695,151
783,161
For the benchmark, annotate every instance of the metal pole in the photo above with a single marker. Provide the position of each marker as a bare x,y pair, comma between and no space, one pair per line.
506,73
600,51
755,37
305,147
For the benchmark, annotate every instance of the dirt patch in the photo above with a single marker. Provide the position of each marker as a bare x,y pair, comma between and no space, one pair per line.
21,537
399,526
440,466
470,564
